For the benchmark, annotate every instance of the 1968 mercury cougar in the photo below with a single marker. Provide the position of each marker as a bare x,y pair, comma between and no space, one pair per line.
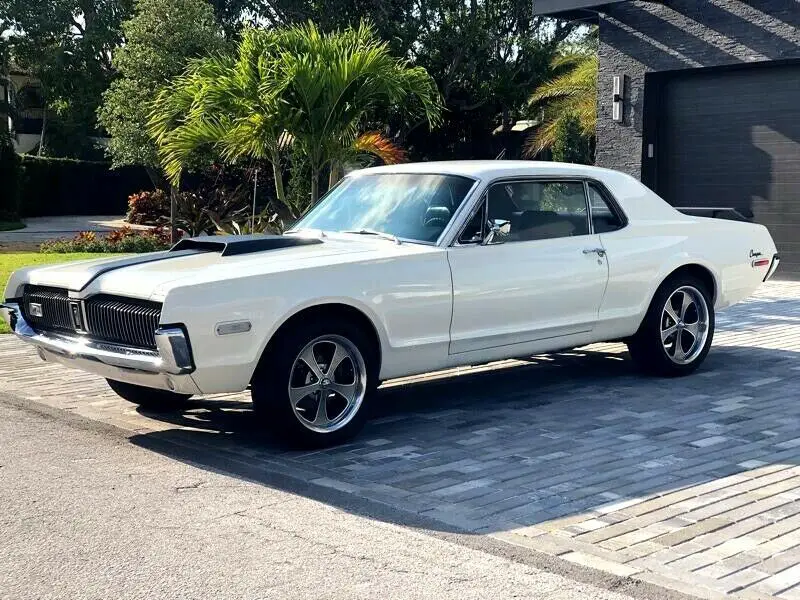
398,270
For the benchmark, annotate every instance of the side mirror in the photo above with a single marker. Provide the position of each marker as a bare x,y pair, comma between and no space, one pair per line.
499,230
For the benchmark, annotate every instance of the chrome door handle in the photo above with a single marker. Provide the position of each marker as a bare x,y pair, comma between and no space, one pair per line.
599,251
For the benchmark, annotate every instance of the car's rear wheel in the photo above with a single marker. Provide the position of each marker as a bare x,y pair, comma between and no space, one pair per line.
311,388
677,331
150,398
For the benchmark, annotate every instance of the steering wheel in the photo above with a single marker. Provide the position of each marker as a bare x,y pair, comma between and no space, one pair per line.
436,216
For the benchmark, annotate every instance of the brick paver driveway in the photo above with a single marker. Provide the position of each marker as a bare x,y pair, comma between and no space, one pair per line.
690,483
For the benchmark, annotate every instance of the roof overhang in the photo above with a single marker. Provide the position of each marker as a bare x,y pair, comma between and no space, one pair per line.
561,8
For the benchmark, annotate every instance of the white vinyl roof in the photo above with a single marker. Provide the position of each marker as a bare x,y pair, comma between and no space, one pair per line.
490,169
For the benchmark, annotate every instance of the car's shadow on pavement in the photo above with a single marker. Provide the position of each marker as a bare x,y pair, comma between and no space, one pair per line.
531,382
520,444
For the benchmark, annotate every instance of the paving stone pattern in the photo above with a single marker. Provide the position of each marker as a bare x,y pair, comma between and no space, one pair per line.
689,483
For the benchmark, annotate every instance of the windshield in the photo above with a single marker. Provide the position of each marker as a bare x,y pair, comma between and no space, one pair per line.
410,206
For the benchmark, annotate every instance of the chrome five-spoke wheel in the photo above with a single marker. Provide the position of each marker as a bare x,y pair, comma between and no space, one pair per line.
677,331
684,325
313,386
327,383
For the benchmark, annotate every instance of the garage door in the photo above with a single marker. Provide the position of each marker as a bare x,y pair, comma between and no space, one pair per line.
732,138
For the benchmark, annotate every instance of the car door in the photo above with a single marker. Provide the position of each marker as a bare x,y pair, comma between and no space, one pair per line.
526,267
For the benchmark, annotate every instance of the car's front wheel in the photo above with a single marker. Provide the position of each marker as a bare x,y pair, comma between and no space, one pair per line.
677,331
150,398
311,388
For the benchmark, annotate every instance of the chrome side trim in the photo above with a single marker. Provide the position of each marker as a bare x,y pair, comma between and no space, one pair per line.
173,357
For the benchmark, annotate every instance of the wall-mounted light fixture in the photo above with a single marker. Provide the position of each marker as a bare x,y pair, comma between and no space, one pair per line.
618,99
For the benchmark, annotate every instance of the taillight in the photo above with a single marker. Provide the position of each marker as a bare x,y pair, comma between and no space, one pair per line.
761,262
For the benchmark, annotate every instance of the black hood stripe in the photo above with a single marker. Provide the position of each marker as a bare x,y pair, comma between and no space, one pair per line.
226,245
98,270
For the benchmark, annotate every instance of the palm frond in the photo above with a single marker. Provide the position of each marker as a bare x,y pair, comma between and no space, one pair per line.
375,143
544,137
571,93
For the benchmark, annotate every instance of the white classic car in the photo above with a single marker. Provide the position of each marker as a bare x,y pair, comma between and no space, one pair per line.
397,271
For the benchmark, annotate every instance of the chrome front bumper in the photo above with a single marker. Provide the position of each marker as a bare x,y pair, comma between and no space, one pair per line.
173,355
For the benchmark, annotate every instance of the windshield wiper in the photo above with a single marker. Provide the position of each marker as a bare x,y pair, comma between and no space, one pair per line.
380,234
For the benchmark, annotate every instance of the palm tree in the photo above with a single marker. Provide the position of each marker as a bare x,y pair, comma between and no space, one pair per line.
333,82
294,85
226,104
570,95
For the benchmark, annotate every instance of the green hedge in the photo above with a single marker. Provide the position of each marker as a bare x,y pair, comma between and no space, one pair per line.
61,186
9,181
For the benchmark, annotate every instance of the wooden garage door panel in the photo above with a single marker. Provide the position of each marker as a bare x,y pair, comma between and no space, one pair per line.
732,138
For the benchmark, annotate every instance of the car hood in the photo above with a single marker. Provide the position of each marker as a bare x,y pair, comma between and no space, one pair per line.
151,276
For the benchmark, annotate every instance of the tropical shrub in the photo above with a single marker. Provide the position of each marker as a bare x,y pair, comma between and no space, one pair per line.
197,211
126,240
194,209
147,207
267,221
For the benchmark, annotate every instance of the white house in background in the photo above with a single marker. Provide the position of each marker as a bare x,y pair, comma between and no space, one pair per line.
23,91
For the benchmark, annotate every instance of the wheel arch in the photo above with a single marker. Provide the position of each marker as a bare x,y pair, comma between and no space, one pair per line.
694,268
330,309
701,272
641,344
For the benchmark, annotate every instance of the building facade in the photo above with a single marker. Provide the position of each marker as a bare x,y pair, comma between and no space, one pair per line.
24,93
701,100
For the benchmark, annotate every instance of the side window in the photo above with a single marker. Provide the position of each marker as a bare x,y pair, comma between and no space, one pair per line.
475,231
537,210
604,217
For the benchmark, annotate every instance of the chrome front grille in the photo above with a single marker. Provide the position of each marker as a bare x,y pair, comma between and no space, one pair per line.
52,312
123,320
107,318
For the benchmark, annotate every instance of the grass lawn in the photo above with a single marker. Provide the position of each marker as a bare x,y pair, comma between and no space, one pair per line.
11,225
14,260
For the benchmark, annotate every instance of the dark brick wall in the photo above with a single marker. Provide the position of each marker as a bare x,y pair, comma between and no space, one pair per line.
640,37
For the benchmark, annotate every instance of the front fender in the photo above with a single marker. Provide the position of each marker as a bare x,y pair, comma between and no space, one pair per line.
362,307
408,301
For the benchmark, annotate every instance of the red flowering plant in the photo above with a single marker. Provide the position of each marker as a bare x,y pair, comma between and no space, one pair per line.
125,239
147,207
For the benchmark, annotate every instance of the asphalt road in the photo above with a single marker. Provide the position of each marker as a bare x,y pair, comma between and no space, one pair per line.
86,514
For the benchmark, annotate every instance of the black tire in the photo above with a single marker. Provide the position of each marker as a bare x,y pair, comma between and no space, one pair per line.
270,386
149,398
646,347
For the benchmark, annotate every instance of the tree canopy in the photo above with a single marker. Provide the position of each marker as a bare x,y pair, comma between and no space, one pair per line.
486,57
161,37
67,46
